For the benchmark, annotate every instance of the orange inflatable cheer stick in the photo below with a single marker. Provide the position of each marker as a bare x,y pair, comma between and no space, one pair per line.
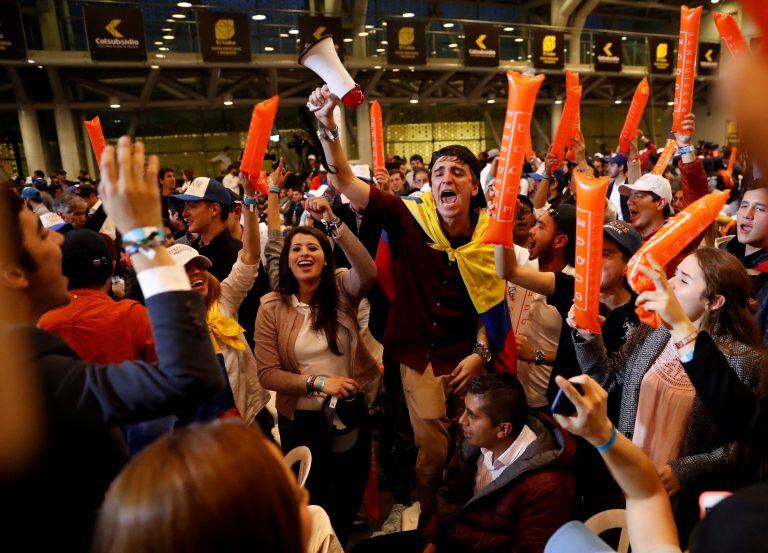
517,124
377,138
669,241
727,174
731,34
758,11
590,212
262,119
572,81
686,66
96,135
635,113
564,133
666,156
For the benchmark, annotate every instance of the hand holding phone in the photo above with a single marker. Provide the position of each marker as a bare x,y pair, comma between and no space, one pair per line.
564,406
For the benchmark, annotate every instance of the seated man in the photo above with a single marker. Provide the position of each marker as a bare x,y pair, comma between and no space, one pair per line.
508,485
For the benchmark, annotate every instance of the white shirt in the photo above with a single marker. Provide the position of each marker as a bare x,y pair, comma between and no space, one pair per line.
615,199
224,161
108,227
540,323
314,357
232,182
489,469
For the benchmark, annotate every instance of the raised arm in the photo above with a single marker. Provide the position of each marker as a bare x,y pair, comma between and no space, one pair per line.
359,279
693,178
532,279
649,515
542,190
344,180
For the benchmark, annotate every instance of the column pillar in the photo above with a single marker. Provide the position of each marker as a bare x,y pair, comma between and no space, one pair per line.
69,144
364,149
31,140
49,25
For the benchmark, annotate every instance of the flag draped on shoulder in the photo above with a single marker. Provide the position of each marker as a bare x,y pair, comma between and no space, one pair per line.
476,265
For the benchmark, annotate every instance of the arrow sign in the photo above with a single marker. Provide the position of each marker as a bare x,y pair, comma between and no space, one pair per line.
607,49
479,41
318,33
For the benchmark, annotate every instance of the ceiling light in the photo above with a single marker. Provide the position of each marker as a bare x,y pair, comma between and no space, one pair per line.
461,36
453,45
491,98
363,33
448,25
30,61
170,21
259,17
715,1
671,103
348,39
160,56
114,102
369,27
163,48
184,4
293,32
154,66
414,99
383,23
623,38
39,66
408,14
381,50
509,29
166,29
395,70
617,102
384,42
178,16
519,39
377,67
269,49
274,138
168,37
158,43
558,102
228,101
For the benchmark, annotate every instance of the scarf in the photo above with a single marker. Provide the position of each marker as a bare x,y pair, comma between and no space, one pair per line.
224,330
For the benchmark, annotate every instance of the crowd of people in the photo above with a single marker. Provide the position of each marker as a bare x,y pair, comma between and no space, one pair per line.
180,336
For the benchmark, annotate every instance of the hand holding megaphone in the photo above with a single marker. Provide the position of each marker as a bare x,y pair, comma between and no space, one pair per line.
321,103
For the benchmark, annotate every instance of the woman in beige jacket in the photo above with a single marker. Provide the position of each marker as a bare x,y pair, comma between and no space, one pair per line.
308,349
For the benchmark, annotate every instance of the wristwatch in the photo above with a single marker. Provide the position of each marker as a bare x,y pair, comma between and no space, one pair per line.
538,357
484,352
333,227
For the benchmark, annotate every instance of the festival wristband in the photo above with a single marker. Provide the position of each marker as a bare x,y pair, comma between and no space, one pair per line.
143,240
607,445
685,150
248,200
320,384
687,340
274,189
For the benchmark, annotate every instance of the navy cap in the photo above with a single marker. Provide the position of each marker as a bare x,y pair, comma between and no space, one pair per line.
82,252
534,176
203,189
618,158
624,235
30,192
83,190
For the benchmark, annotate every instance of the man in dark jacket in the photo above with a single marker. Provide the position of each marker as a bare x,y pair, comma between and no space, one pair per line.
54,500
508,486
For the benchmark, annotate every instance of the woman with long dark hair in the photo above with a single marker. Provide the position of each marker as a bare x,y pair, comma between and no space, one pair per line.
309,351
660,411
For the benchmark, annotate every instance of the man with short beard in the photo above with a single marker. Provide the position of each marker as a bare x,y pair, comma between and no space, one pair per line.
433,328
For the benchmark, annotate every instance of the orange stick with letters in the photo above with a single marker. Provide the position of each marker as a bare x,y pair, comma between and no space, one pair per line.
686,66
96,136
666,156
731,34
634,114
377,138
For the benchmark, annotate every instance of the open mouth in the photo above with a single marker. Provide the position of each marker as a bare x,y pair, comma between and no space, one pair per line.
632,214
745,229
448,197
305,264
198,284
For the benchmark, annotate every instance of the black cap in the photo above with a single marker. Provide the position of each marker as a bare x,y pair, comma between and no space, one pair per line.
565,217
86,258
624,235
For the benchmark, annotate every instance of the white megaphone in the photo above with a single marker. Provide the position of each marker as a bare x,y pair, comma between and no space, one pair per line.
321,57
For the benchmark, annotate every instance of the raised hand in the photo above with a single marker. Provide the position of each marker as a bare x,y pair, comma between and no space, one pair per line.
591,419
318,208
321,102
689,124
128,188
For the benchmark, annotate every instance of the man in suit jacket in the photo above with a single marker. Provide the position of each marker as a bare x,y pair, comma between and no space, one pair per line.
55,500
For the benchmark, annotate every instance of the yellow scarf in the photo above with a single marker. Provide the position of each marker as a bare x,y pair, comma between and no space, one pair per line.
224,330
475,259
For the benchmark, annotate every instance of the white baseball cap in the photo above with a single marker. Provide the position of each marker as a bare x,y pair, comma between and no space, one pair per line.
183,254
649,182
362,172
52,221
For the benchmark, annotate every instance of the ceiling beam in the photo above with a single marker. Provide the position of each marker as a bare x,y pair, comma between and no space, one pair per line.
149,87
188,91
480,86
214,75
436,84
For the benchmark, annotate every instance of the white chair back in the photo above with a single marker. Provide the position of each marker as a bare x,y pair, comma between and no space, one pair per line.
608,520
303,456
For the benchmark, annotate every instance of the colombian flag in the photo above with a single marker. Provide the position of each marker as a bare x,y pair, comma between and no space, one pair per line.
476,265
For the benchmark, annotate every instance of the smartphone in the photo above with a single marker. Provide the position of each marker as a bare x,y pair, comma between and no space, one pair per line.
564,406
708,500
